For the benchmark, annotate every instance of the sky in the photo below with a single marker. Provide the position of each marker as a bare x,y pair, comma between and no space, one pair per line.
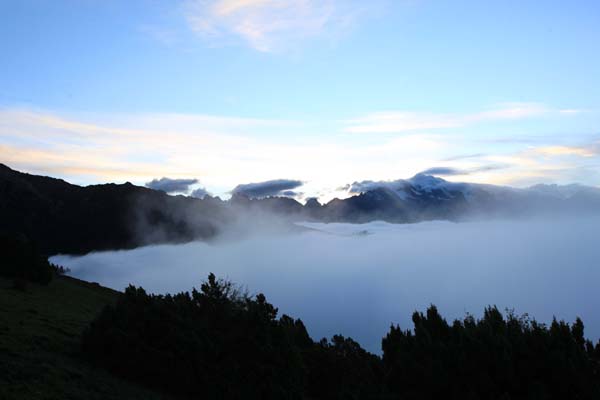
328,92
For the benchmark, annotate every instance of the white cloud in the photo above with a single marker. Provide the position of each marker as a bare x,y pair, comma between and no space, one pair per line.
223,152
269,25
403,121
591,150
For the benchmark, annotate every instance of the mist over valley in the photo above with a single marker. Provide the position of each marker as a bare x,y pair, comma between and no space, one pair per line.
357,279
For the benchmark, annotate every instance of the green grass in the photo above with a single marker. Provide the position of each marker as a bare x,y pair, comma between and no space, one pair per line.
40,331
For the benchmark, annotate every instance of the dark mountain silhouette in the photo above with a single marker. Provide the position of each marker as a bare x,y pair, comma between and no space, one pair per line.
425,197
383,204
65,218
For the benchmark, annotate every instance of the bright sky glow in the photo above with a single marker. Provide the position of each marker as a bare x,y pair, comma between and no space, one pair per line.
327,92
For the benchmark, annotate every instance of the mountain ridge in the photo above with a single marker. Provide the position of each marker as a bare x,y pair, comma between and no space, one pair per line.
66,218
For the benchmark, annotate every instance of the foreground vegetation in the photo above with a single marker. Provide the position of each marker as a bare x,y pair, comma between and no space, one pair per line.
40,343
220,343
64,338
42,317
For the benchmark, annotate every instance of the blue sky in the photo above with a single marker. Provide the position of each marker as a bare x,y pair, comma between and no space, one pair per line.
327,92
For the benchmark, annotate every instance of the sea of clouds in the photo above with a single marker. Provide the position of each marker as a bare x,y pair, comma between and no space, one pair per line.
358,279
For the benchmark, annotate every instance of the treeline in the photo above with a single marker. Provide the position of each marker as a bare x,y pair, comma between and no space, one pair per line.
495,357
220,343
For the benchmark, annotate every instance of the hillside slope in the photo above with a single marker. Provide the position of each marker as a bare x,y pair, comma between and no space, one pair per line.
64,218
40,332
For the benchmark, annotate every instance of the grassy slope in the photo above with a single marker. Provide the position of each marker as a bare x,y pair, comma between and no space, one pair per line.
39,343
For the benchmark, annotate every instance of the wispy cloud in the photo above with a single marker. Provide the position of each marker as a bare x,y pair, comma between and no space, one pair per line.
268,25
464,157
451,171
591,150
559,163
124,147
222,152
403,121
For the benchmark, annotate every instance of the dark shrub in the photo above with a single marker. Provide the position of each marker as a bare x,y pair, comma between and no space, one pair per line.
492,358
20,259
213,343
218,343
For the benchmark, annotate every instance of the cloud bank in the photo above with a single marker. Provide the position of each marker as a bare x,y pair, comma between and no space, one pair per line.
169,185
268,188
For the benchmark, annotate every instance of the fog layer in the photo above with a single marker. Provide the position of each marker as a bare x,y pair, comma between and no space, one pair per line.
358,279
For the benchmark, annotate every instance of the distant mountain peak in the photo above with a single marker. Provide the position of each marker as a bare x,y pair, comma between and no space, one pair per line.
312,202
427,182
